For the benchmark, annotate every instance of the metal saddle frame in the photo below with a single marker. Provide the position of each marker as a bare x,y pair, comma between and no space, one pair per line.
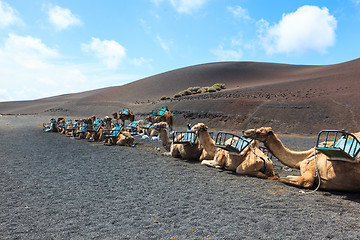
111,134
338,144
184,137
231,142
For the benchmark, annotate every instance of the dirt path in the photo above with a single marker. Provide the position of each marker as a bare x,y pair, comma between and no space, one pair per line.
54,187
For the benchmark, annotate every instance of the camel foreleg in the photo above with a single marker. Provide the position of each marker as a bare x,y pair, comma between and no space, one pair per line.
307,178
210,163
251,171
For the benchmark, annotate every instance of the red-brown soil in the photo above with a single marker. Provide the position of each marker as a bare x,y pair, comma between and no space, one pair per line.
290,98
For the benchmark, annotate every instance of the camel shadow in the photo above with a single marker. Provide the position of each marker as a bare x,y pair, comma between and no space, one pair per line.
354,197
191,161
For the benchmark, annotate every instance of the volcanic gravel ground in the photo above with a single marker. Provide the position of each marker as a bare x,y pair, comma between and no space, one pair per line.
55,187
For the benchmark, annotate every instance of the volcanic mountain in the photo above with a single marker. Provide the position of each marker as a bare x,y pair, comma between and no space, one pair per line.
290,98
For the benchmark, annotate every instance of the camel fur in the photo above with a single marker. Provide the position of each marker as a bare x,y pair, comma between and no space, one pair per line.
123,117
251,161
167,117
207,143
125,139
331,175
184,151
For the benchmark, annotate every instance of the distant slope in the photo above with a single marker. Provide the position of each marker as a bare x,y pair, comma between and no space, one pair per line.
285,96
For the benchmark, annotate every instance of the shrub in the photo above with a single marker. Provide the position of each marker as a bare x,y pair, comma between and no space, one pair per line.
218,86
196,90
211,89
193,89
186,92
163,98
202,90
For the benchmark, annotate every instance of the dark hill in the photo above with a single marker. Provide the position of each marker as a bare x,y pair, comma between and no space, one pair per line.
290,98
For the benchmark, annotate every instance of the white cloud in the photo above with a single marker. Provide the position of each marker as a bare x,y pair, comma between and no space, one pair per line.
62,18
227,54
110,52
4,94
28,52
28,70
239,12
310,28
8,15
141,61
165,44
30,45
184,6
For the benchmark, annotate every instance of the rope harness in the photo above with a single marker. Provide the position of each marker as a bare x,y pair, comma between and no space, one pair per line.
263,169
316,174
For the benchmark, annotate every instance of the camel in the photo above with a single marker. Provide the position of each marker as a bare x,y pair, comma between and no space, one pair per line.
251,161
125,139
71,127
107,125
184,151
96,131
315,167
205,140
85,125
124,115
63,125
52,126
166,116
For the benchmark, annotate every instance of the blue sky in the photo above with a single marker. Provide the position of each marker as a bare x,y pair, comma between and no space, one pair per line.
54,47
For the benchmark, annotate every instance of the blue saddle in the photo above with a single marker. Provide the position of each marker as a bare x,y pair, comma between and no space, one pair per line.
125,112
347,146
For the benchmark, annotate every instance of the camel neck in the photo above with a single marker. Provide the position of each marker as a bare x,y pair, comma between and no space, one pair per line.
286,156
206,141
165,139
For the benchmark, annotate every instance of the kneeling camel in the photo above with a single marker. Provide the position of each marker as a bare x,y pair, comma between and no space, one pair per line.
251,161
184,151
333,175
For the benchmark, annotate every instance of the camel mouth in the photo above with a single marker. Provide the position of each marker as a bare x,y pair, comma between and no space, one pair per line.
249,133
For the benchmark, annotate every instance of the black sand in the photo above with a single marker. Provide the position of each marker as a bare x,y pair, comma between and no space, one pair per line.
55,187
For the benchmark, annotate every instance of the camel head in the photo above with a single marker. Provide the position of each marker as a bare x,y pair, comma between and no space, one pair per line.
107,121
93,118
198,128
260,134
60,119
115,115
88,121
132,117
149,118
